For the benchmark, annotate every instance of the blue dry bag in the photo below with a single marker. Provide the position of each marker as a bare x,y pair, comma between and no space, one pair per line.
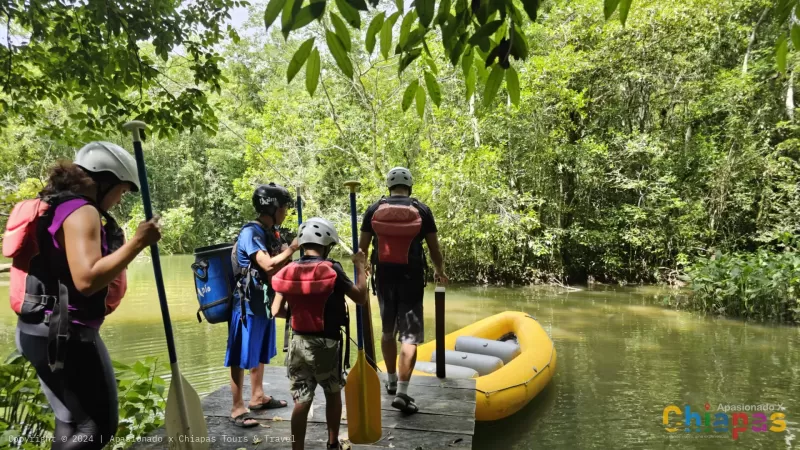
214,281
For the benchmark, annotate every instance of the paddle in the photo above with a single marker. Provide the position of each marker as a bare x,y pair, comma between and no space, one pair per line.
288,325
363,389
185,423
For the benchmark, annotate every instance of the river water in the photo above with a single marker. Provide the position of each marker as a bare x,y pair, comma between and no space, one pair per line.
622,358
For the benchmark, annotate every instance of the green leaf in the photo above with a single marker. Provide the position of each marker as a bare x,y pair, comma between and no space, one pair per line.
312,72
349,13
360,5
492,85
341,31
444,11
274,8
399,4
433,88
466,62
609,6
781,50
408,95
339,54
405,28
796,36
519,45
624,7
299,59
386,34
307,14
432,65
425,10
421,102
372,31
290,9
470,84
408,58
414,38
485,32
512,84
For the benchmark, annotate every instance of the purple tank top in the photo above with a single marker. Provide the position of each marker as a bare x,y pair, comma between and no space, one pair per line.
59,216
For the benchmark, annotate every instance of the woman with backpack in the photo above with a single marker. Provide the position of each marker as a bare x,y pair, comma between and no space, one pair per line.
68,273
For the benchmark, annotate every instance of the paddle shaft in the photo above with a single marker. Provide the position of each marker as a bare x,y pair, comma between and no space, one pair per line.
288,325
148,214
354,230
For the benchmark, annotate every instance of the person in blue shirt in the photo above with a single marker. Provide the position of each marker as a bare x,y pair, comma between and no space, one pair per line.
258,253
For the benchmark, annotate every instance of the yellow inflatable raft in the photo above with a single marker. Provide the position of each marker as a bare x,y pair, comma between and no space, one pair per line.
510,355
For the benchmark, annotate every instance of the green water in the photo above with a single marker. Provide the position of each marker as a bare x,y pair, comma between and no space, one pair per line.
622,359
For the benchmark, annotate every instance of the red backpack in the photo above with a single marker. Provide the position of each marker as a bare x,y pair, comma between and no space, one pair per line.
20,243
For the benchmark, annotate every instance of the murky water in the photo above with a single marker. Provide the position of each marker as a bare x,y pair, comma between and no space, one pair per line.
622,359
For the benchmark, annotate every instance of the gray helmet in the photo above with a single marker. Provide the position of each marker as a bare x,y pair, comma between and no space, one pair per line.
399,176
100,156
317,230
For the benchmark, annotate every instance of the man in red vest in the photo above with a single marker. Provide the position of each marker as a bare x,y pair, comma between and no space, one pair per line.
314,288
396,226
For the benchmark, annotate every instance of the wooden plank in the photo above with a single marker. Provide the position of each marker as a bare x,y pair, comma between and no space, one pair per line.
224,436
451,402
446,418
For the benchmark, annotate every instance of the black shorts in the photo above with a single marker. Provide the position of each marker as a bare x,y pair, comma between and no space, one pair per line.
400,298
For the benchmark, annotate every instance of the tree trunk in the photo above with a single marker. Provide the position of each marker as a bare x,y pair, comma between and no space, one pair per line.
474,120
790,98
752,40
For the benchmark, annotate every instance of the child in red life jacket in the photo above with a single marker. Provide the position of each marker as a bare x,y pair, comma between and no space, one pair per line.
314,288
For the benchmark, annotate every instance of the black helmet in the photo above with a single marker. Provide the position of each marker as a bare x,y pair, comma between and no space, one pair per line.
267,198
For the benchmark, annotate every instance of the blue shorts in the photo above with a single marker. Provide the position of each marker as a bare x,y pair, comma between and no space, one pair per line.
250,343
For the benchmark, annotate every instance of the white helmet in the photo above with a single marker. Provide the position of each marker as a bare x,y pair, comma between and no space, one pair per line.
100,156
399,176
317,230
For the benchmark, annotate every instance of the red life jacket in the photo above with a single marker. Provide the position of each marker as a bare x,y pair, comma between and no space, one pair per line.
395,226
307,286
31,271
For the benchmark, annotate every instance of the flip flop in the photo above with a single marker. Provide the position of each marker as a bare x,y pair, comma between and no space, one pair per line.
271,404
241,418
405,403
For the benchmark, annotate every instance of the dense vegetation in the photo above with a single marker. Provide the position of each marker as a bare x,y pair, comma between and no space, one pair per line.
632,152
27,421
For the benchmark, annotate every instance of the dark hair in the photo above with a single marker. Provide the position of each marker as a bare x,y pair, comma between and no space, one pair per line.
67,176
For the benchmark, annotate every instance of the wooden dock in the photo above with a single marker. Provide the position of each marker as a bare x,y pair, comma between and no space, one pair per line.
446,418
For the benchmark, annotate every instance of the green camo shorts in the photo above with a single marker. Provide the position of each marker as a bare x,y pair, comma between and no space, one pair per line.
313,361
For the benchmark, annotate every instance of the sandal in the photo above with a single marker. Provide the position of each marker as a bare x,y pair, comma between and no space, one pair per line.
336,446
271,404
240,419
391,387
405,403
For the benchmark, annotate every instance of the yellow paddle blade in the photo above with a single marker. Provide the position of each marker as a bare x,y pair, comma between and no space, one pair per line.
363,398
185,431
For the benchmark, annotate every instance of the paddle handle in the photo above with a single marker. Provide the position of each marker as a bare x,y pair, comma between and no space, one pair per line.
288,325
134,127
440,371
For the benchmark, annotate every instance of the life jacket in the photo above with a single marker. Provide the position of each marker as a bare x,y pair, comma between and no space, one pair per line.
252,283
396,226
41,287
308,287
